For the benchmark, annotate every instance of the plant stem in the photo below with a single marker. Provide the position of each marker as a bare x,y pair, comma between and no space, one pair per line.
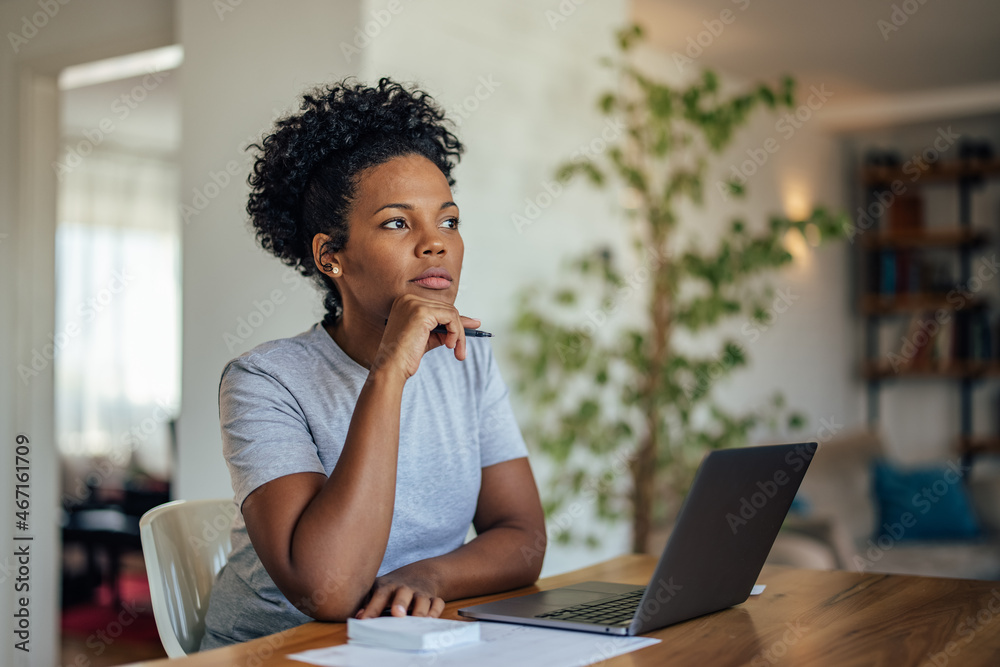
645,463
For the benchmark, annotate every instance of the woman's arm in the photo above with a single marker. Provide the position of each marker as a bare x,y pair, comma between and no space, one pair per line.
507,552
322,540
296,523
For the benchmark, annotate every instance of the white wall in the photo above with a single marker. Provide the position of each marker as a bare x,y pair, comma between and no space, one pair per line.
8,328
240,68
537,109
810,351
75,33
521,78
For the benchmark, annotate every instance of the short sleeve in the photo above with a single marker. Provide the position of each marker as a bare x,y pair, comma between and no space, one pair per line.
500,437
264,432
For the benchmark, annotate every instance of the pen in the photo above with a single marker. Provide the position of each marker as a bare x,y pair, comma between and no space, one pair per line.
472,333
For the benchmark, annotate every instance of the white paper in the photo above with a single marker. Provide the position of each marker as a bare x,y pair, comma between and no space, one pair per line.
758,589
411,633
502,645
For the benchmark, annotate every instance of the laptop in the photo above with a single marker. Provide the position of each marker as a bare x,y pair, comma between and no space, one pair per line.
723,534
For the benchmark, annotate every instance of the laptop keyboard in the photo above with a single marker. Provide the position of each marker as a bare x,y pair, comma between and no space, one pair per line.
618,610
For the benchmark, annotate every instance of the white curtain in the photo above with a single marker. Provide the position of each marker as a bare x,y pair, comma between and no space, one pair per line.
118,310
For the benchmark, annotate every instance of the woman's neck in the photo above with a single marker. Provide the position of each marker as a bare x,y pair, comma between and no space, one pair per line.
358,338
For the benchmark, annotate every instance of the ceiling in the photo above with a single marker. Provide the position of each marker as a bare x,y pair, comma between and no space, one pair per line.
939,44
840,45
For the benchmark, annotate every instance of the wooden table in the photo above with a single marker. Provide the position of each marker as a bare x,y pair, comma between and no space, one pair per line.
805,617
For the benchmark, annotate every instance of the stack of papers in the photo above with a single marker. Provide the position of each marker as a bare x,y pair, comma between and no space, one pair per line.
411,633
500,645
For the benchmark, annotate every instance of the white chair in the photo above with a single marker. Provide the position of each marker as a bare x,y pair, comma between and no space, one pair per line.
184,543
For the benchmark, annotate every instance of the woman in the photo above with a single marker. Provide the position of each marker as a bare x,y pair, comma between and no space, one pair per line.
361,449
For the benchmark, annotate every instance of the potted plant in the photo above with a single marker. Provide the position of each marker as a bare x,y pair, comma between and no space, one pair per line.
622,410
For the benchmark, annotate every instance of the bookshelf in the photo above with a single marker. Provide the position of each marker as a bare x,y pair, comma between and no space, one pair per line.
920,279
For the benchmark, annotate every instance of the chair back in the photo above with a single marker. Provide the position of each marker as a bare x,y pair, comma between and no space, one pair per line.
184,543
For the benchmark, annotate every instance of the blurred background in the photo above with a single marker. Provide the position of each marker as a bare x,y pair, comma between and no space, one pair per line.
130,277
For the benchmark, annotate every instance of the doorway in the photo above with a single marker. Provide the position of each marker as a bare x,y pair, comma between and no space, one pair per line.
117,366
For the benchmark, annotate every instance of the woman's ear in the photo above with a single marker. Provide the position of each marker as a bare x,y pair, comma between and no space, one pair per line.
326,260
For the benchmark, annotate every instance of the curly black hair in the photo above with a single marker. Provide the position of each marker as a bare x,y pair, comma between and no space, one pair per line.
306,171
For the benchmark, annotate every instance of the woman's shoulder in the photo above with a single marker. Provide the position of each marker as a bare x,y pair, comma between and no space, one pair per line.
281,353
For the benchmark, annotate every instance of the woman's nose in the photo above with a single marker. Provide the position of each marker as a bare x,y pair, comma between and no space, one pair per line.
430,243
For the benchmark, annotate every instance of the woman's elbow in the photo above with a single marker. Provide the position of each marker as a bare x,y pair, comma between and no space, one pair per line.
533,548
330,599
330,613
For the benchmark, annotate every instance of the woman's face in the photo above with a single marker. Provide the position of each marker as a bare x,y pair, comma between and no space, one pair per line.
402,223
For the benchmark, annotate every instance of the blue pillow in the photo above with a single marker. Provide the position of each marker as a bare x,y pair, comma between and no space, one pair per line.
926,503
800,505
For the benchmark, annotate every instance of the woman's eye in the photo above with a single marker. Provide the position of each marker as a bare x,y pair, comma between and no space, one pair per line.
455,222
390,223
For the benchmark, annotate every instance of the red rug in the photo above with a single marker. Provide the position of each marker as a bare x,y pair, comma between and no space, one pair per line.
102,622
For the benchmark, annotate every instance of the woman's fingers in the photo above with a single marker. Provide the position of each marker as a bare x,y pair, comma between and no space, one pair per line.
404,600
378,601
401,601
421,605
437,606
454,338
459,339
401,597
409,328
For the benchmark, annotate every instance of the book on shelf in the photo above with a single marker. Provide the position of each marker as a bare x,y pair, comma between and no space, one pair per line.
906,272
906,213
981,338
944,345
908,277
928,342
887,273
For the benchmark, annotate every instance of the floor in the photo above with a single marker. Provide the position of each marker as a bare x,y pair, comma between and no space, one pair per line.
100,633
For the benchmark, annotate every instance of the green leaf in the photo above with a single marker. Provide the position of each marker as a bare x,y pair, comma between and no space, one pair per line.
711,81
566,297
767,96
607,103
627,37
589,409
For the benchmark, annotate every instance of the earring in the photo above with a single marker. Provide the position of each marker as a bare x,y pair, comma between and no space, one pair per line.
328,266
336,270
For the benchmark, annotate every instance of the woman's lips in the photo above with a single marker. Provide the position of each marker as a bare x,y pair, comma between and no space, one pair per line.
434,282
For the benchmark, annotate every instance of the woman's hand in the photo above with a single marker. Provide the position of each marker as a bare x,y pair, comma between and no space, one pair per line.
408,336
406,591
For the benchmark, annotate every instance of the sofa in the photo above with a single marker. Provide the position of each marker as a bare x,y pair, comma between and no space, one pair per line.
833,524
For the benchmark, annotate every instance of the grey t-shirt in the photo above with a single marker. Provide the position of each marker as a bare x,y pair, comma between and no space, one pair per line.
285,407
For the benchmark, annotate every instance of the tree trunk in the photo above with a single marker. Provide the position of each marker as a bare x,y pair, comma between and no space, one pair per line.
644,464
